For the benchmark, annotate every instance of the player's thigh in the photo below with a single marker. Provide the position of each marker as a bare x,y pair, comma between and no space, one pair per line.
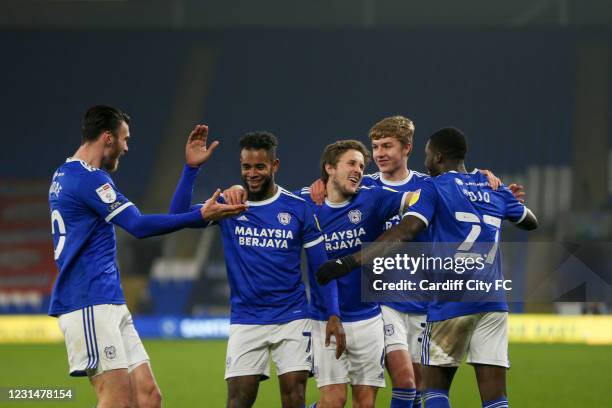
366,351
445,342
489,342
93,340
112,388
327,369
291,345
248,351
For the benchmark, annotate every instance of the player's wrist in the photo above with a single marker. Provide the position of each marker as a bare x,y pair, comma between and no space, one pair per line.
192,168
349,262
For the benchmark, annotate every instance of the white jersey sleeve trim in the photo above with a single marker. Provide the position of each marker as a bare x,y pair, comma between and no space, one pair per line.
525,209
416,214
313,243
117,211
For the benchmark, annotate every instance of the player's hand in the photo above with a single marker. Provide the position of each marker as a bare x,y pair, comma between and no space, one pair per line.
317,192
214,211
334,328
196,152
518,191
236,194
335,268
494,182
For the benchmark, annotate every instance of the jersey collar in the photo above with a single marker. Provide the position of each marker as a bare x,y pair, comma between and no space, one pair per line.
396,183
267,201
337,205
83,163
475,171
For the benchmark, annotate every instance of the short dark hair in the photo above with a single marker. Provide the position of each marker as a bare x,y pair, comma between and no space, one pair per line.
99,119
449,141
333,151
260,140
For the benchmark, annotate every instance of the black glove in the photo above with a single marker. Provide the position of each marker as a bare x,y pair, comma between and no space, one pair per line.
335,268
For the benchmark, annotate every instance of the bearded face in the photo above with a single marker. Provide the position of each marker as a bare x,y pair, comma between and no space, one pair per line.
117,148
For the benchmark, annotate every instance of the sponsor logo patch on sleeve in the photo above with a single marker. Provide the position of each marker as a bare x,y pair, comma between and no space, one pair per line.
106,193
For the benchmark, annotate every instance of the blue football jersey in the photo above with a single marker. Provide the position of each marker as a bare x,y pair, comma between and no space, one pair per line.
83,200
263,247
451,205
345,226
411,183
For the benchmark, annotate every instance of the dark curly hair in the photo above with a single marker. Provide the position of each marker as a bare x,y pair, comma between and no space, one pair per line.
260,140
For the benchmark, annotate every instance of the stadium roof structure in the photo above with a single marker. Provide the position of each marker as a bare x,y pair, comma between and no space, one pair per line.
325,14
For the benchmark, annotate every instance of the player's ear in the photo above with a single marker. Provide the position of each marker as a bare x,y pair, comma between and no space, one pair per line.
328,168
408,149
275,165
439,157
108,138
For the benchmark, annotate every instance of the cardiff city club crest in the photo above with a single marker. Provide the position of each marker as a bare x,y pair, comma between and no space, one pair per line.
284,218
110,352
389,330
355,216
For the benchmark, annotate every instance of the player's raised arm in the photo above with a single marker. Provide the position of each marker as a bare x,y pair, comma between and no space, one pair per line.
196,151
98,192
148,225
196,154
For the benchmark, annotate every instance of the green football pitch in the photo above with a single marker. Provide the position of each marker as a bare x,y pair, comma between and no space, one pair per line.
190,374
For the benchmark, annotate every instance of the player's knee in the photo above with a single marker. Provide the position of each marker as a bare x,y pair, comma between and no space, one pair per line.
403,378
149,396
155,398
332,401
294,397
241,399
363,403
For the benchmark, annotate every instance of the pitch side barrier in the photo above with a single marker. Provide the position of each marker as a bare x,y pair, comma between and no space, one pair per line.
523,328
